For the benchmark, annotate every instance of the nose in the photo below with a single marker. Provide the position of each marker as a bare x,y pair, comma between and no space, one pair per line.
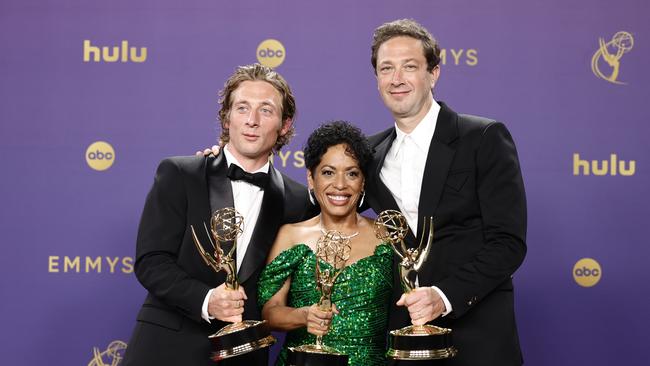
397,77
339,181
253,118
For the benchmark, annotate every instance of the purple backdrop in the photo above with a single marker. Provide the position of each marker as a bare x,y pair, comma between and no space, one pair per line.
527,63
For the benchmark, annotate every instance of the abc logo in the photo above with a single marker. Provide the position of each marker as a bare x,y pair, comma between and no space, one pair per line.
271,53
100,155
587,272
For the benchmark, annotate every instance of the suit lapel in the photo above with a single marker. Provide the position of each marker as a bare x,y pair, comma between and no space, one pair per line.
266,227
381,196
384,199
439,159
219,196
219,184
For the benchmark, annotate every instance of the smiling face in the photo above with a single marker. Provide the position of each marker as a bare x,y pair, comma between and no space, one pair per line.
403,80
337,182
255,122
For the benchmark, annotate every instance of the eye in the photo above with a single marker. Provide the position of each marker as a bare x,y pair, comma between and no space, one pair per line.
385,69
327,173
241,109
353,173
267,111
410,67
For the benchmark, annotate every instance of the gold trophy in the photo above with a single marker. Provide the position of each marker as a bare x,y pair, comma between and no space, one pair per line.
242,337
332,248
414,342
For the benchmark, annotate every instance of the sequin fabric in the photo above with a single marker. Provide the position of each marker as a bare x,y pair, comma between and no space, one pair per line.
361,293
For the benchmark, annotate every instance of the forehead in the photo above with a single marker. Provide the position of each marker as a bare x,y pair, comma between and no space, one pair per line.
400,48
256,91
337,155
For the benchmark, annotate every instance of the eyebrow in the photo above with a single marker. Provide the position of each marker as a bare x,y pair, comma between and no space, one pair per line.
348,168
399,62
246,102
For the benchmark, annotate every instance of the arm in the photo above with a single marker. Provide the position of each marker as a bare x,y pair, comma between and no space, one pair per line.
160,237
502,202
285,318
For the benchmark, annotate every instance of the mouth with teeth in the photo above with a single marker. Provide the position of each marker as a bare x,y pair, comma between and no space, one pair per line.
338,199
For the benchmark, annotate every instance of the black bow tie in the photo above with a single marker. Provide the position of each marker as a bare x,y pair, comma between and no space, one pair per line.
259,179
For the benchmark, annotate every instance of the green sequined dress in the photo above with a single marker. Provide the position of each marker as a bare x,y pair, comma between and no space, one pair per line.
361,293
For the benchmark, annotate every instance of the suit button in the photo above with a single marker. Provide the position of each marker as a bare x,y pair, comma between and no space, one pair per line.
472,301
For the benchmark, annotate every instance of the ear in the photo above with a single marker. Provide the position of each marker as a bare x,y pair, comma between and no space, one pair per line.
310,180
286,126
435,74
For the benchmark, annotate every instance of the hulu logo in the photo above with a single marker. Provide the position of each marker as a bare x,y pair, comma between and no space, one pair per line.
613,166
122,53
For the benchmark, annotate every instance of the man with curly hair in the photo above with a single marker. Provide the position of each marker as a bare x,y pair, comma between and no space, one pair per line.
464,172
187,300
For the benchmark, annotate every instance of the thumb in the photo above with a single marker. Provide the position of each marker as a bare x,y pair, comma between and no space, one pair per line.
402,300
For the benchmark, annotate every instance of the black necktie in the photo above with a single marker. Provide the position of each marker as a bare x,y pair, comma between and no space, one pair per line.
259,179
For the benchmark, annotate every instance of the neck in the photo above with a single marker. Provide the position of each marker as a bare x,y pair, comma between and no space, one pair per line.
408,123
249,164
346,225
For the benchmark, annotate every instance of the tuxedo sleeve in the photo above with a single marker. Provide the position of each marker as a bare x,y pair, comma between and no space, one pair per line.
502,203
160,236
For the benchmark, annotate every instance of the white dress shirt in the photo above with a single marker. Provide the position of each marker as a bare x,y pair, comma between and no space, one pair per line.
403,171
248,202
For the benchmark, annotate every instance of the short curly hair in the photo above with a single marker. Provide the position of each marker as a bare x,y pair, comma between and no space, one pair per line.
335,133
257,72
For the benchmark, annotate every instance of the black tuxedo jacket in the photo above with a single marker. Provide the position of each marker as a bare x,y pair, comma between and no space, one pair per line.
472,186
186,190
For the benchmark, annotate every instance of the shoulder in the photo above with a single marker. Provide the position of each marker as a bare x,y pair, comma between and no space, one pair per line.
468,123
377,138
292,187
181,164
291,235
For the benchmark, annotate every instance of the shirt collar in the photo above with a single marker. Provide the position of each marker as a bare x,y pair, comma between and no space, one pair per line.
230,159
423,132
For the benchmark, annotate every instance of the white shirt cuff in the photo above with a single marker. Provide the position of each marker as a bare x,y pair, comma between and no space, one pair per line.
448,308
204,308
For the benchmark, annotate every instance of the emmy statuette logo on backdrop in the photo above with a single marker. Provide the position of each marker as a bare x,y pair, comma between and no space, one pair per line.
111,356
611,53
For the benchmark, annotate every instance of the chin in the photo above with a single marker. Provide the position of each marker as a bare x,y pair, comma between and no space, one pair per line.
339,211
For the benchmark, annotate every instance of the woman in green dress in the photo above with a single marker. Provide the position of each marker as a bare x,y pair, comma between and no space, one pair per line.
336,156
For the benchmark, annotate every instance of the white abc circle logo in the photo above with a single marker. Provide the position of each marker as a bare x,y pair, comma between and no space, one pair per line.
587,272
271,53
100,155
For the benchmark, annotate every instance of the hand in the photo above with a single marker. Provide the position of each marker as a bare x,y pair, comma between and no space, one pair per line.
227,305
424,305
318,321
213,151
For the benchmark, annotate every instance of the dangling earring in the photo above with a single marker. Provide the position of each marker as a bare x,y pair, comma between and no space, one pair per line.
363,195
311,197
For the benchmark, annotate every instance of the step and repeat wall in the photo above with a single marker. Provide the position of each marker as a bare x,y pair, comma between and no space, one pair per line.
93,94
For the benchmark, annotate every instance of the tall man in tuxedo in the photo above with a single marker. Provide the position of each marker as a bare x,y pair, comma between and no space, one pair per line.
464,172
187,300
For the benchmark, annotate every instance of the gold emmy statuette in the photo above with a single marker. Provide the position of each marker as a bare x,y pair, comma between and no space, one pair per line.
242,337
415,342
332,248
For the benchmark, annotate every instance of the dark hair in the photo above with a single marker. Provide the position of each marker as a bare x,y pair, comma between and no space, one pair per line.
406,28
335,133
257,72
